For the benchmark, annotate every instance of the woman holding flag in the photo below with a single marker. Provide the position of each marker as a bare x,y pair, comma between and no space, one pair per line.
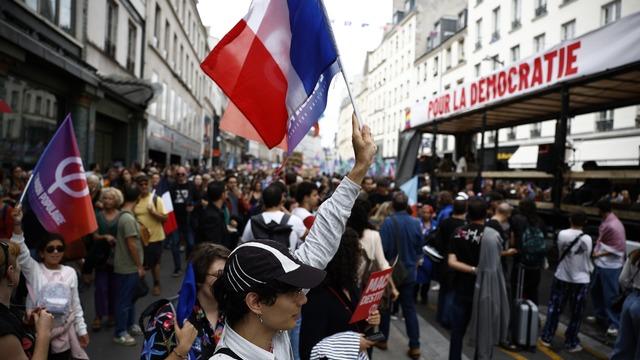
55,287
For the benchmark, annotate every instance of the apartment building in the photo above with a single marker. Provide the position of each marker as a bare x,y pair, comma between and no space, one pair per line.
502,32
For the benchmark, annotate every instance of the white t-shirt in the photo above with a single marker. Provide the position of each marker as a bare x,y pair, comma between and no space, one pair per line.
301,213
297,228
576,266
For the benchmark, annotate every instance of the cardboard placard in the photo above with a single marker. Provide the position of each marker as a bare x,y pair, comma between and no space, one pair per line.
372,295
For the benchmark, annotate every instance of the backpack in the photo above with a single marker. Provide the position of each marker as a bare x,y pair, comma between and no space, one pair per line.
146,321
533,247
278,232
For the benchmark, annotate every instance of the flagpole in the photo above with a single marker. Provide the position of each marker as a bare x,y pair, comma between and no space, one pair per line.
344,75
26,187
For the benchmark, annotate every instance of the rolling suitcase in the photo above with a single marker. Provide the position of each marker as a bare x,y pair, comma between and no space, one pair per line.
525,318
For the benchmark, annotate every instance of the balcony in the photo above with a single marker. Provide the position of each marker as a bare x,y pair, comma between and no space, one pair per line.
604,125
495,36
534,133
541,10
515,24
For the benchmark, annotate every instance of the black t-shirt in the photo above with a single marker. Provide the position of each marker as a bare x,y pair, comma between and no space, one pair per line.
445,233
10,325
181,196
504,233
377,198
466,246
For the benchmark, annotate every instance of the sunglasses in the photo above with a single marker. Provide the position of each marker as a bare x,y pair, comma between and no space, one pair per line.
50,249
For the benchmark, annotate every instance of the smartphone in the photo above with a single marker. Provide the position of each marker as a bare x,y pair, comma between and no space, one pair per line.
376,337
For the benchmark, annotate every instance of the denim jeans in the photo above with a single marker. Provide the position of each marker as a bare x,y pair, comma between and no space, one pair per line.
605,287
408,304
627,346
125,309
576,294
460,316
184,232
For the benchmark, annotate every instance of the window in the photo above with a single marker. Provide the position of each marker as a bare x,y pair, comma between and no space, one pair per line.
59,12
511,134
153,107
515,53
174,58
516,8
164,106
568,30
460,51
476,69
131,48
462,19
540,8
112,27
536,130
156,26
604,121
167,38
447,58
435,66
610,12
478,33
180,63
496,25
538,43
424,73
495,62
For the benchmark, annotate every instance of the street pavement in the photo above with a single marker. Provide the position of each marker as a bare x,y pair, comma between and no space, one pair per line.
433,338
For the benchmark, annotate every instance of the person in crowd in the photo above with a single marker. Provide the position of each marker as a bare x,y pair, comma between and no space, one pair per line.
570,283
444,237
500,222
100,257
384,210
149,211
95,187
128,269
495,199
211,226
14,184
627,345
331,305
381,194
308,200
183,195
608,254
16,340
402,244
463,259
125,180
270,224
528,235
368,185
255,197
268,298
155,182
235,202
6,221
425,269
47,279
202,330
445,207
490,307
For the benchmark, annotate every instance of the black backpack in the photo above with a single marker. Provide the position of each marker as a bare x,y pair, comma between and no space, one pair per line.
272,231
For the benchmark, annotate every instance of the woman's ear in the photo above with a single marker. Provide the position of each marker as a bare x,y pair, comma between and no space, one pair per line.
252,300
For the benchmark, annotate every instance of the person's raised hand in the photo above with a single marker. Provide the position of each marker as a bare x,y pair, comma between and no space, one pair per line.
364,149
17,214
374,318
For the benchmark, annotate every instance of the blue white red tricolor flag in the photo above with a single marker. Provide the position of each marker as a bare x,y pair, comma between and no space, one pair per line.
275,66
58,192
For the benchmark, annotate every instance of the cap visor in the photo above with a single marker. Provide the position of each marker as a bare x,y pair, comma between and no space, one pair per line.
305,277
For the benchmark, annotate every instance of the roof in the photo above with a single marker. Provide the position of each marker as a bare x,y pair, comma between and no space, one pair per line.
599,79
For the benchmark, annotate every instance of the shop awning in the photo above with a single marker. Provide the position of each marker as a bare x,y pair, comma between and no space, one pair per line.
525,157
137,91
600,70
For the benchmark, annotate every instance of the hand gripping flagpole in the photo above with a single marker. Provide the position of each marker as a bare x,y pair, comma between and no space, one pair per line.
344,74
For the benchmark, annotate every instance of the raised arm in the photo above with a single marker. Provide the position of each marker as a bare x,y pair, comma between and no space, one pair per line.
25,260
324,237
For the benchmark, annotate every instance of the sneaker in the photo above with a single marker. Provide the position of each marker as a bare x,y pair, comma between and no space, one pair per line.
611,331
435,287
125,340
176,274
575,349
544,343
414,353
135,330
394,317
591,319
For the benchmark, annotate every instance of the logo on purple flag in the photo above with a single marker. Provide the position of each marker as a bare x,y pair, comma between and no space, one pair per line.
58,191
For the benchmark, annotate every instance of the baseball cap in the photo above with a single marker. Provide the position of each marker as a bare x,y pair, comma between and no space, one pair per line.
462,196
258,263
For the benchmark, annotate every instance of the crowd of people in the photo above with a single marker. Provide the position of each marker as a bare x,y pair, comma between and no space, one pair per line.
279,262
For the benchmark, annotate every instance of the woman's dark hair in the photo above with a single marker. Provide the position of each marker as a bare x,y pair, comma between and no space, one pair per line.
359,219
476,209
342,270
215,189
203,255
529,210
400,201
303,189
232,304
49,238
272,195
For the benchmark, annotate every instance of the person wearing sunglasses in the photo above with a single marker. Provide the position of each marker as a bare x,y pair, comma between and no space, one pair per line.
47,281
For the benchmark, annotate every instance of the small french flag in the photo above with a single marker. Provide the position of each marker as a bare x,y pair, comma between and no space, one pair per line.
170,225
275,66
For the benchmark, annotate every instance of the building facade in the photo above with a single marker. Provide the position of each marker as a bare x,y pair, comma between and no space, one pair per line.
502,32
176,41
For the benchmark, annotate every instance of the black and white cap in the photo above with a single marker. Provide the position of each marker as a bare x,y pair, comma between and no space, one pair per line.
258,263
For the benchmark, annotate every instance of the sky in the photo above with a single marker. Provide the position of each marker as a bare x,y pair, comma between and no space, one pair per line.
353,37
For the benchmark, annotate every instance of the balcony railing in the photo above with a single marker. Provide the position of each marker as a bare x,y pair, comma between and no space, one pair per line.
515,24
541,10
511,135
495,36
534,133
604,125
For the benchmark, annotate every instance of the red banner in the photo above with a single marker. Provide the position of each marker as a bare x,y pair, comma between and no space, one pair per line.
372,295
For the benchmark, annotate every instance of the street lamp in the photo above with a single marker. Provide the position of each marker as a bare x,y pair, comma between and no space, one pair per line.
495,59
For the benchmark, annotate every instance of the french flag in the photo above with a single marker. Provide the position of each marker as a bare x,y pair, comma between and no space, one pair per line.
275,66
170,225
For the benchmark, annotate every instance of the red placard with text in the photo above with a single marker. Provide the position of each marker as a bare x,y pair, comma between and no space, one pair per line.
372,295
